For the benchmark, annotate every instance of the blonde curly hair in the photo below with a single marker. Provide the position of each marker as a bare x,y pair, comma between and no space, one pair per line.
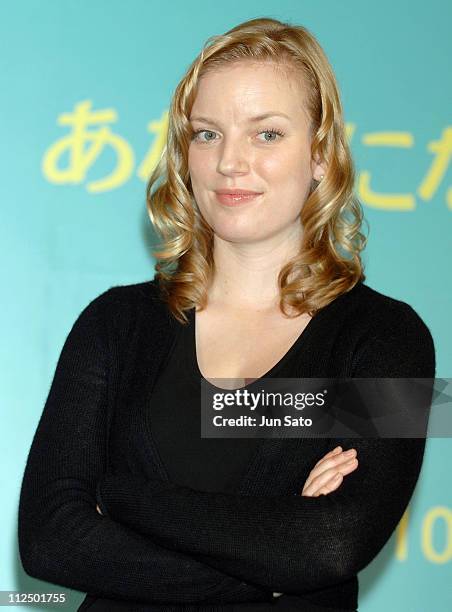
328,262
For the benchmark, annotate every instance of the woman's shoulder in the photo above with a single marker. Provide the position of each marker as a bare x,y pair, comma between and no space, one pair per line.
127,302
391,330
146,291
364,312
384,311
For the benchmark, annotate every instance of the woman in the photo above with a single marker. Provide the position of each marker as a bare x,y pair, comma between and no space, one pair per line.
248,285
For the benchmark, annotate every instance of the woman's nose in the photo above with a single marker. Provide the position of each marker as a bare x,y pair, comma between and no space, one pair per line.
233,158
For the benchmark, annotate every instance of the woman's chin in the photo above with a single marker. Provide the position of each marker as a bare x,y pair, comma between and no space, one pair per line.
241,235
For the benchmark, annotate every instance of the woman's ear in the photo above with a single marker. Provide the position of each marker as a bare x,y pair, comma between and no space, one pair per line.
318,168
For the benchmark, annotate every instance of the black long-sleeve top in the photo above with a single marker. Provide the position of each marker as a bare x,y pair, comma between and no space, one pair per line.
161,545
207,464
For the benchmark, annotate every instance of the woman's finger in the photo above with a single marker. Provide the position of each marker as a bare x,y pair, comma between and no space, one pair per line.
322,480
328,463
333,452
333,484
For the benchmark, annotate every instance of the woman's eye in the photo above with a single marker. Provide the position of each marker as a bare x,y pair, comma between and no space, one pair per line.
208,132
272,133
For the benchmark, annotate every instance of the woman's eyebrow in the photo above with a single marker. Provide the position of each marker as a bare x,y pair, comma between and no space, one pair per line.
250,119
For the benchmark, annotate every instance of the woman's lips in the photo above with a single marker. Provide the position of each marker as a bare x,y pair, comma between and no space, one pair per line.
235,199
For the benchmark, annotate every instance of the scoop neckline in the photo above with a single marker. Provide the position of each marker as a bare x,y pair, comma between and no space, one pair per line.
302,338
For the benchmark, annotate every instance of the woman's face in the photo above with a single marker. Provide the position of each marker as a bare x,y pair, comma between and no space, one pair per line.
232,149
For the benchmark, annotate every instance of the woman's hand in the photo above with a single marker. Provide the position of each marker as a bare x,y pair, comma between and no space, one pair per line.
327,474
98,509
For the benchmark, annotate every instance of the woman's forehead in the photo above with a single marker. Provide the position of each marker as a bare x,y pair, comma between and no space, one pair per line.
252,92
